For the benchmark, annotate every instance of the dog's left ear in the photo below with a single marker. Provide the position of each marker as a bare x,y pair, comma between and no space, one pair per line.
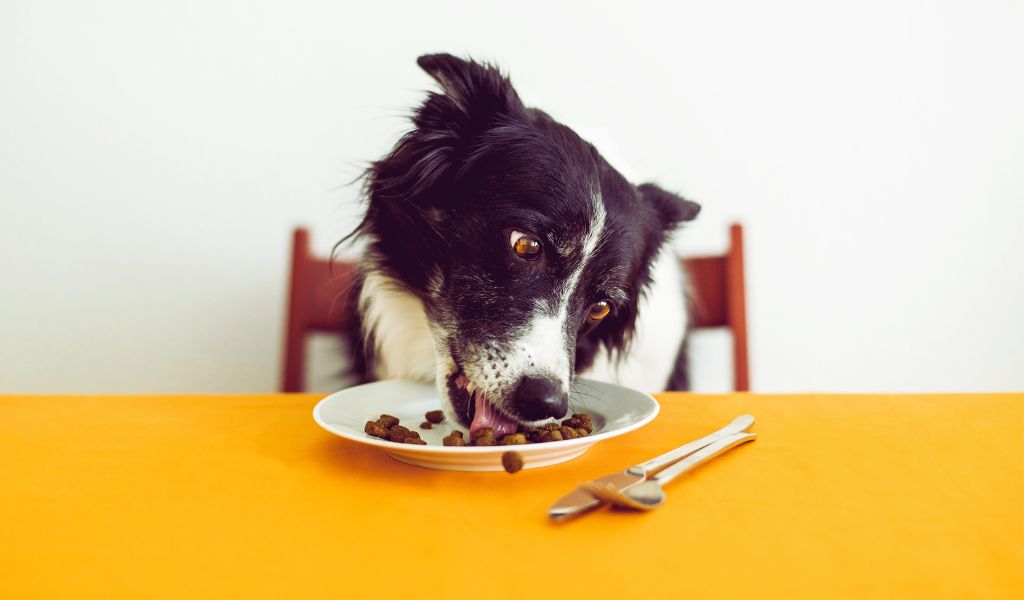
672,209
475,89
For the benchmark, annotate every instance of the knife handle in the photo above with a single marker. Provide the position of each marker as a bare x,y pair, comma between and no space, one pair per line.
702,456
738,425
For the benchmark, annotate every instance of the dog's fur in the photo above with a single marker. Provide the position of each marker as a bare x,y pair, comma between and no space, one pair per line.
444,298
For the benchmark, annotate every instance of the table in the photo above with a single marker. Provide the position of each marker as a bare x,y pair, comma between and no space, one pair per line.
229,496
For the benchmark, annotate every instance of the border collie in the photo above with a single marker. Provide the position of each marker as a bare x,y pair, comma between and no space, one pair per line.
505,256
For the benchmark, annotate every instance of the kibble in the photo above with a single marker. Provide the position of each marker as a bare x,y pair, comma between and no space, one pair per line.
483,437
454,439
585,421
388,427
512,461
387,421
551,435
398,433
376,429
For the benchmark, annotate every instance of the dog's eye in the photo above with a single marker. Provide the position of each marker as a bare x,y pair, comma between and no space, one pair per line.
599,310
525,246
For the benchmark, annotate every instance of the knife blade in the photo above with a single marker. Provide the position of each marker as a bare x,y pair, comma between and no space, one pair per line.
580,500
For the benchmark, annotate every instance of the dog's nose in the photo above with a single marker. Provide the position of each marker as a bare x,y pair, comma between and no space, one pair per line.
539,398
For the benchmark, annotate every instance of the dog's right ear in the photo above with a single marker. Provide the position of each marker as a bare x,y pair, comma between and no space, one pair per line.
476,90
474,97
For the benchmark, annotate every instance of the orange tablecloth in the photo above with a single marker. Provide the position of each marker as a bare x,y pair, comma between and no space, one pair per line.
185,496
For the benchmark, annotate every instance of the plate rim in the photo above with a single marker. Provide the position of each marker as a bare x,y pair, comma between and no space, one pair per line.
433,449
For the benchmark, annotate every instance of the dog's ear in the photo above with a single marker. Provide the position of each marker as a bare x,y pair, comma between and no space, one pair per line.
477,90
671,209
474,97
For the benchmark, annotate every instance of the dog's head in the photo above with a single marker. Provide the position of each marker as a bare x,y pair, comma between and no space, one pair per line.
527,249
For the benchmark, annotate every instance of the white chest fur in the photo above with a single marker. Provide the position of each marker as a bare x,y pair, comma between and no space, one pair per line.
397,326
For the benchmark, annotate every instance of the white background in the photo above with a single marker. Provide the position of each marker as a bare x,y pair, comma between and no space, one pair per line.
155,156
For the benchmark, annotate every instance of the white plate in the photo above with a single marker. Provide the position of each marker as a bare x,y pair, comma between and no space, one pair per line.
615,410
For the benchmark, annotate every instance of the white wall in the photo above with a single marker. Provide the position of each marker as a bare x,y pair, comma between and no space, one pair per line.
154,156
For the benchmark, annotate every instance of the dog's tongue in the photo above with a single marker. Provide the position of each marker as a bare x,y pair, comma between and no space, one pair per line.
486,416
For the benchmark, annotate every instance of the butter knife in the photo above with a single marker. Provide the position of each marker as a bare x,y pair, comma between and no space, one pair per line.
580,500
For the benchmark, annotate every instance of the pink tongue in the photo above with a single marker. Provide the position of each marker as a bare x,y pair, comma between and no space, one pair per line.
486,416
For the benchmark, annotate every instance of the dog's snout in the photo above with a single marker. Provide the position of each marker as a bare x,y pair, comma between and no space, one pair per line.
539,398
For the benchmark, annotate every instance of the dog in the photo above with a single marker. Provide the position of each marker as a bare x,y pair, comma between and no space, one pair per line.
504,257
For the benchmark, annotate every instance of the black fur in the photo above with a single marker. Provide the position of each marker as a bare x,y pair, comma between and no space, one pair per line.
478,165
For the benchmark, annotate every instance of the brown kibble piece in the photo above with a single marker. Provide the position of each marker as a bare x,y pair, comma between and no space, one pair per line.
585,421
568,433
485,440
413,434
582,432
398,433
435,416
387,421
549,426
513,438
376,429
426,425
551,435
483,437
414,440
473,435
512,461
453,439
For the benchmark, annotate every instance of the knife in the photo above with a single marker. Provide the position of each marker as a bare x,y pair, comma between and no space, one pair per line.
580,500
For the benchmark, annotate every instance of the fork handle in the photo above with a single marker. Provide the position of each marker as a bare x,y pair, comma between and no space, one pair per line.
738,425
702,456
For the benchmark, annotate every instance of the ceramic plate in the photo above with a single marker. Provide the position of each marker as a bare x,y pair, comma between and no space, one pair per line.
615,410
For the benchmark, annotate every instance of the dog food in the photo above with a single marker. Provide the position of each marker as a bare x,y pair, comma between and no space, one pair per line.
399,433
376,429
387,421
387,427
483,437
513,438
512,461
454,439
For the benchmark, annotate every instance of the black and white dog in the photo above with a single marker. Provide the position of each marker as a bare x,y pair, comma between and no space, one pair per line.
505,256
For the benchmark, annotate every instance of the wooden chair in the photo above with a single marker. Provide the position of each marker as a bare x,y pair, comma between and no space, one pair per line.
718,298
318,300
319,295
